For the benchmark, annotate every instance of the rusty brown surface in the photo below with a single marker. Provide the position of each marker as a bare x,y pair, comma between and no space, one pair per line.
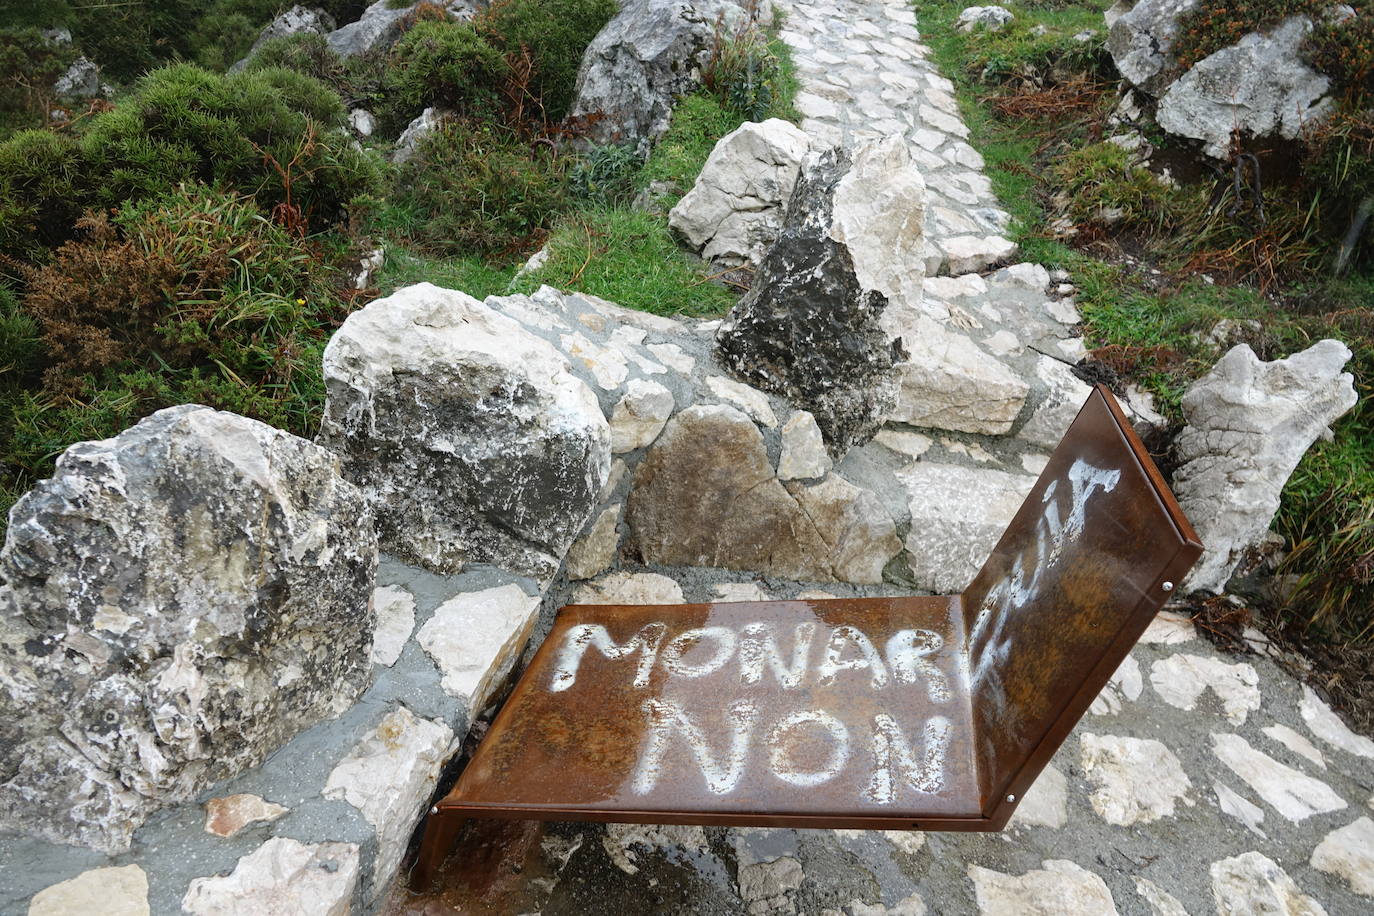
927,713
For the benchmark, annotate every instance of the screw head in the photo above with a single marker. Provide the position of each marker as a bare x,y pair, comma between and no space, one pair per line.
1011,798
1168,586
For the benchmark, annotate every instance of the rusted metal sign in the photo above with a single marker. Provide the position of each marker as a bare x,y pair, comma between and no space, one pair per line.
892,713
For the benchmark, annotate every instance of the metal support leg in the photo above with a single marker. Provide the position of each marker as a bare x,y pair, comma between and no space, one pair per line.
441,832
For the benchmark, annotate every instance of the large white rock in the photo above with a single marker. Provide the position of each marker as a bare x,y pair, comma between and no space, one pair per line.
1060,887
1252,884
648,55
957,516
284,877
121,891
381,23
476,637
1136,780
1248,425
1327,726
469,435
948,382
733,213
1349,853
175,604
389,777
1261,85
1180,679
630,588
1295,795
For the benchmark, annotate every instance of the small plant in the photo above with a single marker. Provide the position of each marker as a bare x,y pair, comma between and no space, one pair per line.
1215,24
42,189
1100,183
742,70
605,175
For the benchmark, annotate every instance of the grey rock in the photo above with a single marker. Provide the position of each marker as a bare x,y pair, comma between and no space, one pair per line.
362,121
299,20
640,63
1248,425
816,326
1060,887
985,18
1141,42
380,25
950,383
428,121
803,449
469,435
1064,396
281,876
175,604
81,81
733,213
1252,884
1260,86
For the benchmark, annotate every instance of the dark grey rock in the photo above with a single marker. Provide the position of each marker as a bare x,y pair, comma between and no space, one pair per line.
809,329
175,604
640,63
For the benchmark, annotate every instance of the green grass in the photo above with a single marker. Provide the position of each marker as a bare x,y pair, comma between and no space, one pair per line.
628,257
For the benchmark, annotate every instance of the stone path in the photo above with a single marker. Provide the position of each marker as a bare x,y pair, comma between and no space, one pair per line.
1198,783
864,74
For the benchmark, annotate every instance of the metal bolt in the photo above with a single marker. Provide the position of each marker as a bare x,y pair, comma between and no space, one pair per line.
1168,586
1011,798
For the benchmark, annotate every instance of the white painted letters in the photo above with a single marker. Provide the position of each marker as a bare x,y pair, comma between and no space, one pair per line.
908,654
840,637
722,776
779,757
759,647
645,642
684,642
893,755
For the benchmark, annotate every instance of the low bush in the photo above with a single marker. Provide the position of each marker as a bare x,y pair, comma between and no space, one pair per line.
42,189
271,133
474,188
554,34
444,64
191,297
1215,24
605,175
1100,183
742,70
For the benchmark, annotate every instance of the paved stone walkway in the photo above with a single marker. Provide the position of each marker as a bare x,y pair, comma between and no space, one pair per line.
864,74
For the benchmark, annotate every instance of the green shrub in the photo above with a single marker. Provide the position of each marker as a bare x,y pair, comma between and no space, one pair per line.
42,191
1344,51
555,33
1101,183
479,189
237,132
127,39
444,64
21,349
29,65
305,52
742,70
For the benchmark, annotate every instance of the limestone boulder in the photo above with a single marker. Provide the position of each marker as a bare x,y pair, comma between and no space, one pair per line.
640,63
281,876
299,20
1248,424
825,321
417,131
1141,42
706,495
949,382
381,24
468,435
733,213
175,604
80,81
984,18
1260,86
